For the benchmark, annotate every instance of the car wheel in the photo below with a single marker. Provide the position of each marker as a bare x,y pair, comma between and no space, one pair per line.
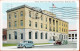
24,46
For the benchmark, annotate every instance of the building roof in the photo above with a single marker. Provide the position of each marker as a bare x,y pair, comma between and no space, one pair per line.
72,30
34,8
22,6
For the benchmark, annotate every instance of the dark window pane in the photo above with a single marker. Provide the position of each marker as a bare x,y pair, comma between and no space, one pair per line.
21,35
29,35
21,13
46,36
69,35
36,35
9,36
75,35
15,34
41,35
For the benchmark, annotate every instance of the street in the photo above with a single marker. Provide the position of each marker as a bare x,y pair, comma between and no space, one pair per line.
70,45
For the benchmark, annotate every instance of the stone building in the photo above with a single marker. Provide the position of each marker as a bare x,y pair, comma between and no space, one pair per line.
32,23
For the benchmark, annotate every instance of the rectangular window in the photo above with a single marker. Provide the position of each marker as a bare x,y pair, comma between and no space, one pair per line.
50,20
29,35
69,38
15,34
46,36
72,38
21,13
46,26
53,28
29,23
75,35
15,23
21,35
72,35
36,35
69,35
21,22
9,36
54,22
56,26
29,13
9,24
75,38
35,24
41,35
41,25
15,15
4,37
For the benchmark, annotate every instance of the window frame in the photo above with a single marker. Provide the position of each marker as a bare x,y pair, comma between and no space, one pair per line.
21,22
36,24
21,13
21,35
36,35
30,35
41,35
9,36
15,34
46,36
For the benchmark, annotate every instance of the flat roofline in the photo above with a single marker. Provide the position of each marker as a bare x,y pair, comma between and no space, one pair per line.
22,6
72,30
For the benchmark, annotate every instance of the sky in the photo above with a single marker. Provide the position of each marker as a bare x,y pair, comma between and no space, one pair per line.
64,11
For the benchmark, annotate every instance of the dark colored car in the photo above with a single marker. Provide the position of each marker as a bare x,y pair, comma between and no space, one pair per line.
58,42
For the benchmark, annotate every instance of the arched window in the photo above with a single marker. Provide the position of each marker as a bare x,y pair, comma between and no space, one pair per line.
15,35
41,35
46,36
29,35
36,35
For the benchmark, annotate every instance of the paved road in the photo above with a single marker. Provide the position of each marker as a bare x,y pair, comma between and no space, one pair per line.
71,45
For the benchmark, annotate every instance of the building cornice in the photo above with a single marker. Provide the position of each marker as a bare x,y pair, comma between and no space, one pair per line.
33,8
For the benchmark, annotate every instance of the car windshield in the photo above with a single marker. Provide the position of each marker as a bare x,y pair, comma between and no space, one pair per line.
30,42
25,42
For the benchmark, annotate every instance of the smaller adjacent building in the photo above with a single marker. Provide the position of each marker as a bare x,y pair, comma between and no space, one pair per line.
72,35
4,34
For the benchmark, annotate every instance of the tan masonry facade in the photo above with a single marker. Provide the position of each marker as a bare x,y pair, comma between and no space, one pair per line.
30,23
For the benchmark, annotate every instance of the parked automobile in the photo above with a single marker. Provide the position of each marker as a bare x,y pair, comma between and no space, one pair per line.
58,42
26,44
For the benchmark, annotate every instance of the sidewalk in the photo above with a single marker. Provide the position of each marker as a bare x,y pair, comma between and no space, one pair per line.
44,45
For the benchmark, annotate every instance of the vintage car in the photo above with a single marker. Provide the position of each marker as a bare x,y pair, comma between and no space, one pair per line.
58,42
26,44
